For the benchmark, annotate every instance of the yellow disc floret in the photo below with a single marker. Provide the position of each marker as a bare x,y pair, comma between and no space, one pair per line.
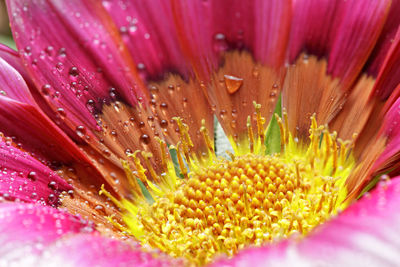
251,199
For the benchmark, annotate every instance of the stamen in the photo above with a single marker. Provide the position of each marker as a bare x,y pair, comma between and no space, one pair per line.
206,138
250,134
223,205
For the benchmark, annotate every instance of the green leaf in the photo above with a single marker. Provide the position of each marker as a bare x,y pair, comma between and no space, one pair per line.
273,135
8,41
145,192
174,157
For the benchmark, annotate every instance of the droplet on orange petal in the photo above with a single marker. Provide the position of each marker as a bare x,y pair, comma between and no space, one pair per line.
232,83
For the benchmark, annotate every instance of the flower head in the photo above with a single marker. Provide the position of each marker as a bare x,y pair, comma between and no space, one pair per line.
200,129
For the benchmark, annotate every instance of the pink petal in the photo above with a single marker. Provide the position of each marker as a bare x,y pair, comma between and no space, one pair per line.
21,118
389,160
343,31
24,178
33,235
27,229
94,250
75,55
366,234
13,85
389,73
12,58
208,28
149,33
385,41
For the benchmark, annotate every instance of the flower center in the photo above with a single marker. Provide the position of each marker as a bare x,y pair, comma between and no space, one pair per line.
224,205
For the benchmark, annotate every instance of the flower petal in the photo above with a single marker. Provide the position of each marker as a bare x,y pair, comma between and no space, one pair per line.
74,54
33,235
94,250
21,118
389,158
149,33
366,234
27,229
388,77
13,85
24,178
346,33
326,60
385,41
237,49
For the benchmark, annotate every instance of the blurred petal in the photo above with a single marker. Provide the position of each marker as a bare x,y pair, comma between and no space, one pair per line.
94,250
27,229
33,235
366,234
24,178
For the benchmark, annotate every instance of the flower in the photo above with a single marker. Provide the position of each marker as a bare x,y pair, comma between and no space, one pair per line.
108,153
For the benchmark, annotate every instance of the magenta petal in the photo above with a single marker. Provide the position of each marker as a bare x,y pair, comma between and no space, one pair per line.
21,118
24,178
366,234
94,250
385,41
26,230
13,85
149,33
33,235
209,28
389,73
343,31
75,55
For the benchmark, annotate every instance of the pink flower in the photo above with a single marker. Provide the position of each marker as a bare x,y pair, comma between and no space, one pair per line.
98,89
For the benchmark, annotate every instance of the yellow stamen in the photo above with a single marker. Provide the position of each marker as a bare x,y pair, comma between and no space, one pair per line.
223,205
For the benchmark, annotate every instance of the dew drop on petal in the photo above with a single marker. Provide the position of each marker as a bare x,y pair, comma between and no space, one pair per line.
232,83
145,139
32,175
73,72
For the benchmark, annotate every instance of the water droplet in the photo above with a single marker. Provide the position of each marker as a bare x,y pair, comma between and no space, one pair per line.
256,73
32,175
74,72
164,105
90,105
60,66
52,198
232,83
71,193
106,152
145,139
46,89
80,130
61,112
220,43
163,123
99,207
53,185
